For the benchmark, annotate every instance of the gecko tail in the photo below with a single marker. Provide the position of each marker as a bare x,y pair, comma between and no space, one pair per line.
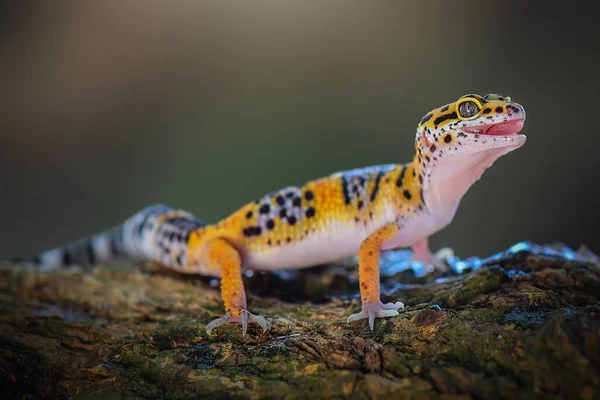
157,233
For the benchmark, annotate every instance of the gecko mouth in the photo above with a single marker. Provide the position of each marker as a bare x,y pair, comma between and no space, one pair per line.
500,129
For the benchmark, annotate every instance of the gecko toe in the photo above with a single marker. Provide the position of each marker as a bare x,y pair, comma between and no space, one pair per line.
216,323
371,311
239,316
244,322
260,320
357,317
393,306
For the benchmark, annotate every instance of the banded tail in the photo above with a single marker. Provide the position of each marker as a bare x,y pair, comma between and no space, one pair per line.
157,233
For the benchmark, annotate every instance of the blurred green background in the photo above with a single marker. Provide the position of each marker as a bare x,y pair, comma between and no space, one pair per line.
107,107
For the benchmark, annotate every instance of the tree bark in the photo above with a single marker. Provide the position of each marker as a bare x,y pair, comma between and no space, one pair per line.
521,326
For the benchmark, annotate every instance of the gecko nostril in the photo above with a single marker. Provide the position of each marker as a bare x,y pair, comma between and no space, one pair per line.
514,110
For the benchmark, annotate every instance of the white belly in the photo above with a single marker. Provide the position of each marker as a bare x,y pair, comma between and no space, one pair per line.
341,242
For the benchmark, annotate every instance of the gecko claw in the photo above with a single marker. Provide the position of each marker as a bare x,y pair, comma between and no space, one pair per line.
244,322
376,310
243,317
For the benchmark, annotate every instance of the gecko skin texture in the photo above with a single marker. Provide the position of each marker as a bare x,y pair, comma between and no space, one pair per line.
362,211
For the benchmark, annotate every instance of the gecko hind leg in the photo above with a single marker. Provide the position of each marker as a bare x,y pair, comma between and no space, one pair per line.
223,256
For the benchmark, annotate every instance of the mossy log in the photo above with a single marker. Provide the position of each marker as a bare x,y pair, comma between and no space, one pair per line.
521,326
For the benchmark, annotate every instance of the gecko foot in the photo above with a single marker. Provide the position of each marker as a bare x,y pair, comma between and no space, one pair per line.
433,261
241,316
376,310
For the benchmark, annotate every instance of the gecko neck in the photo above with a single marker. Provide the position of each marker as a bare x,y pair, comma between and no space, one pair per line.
447,180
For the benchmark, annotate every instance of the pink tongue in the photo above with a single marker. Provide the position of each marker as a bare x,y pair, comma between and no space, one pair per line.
506,128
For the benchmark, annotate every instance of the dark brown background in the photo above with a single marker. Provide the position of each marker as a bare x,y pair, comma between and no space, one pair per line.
108,107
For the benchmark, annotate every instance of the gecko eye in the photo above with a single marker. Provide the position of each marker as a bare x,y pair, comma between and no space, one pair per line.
468,109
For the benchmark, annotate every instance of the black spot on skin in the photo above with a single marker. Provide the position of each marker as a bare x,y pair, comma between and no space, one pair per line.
445,108
432,148
407,194
487,110
249,214
445,117
448,138
309,195
289,239
426,118
269,242
460,134
114,246
280,200
289,195
297,201
283,213
310,212
355,188
91,255
376,186
264,209
401,177
252,231
427,158
66,257
420,178
499,109
270,224
291,220
345,190
360,204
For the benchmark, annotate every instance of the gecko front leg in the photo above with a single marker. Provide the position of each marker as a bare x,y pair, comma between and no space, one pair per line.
368,274
223,256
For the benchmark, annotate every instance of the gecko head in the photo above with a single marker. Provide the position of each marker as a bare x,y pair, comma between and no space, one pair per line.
471,126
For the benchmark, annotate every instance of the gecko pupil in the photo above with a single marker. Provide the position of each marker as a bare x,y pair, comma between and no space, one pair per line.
468,109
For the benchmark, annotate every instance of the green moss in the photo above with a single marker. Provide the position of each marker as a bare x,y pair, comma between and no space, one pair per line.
148,340
480,282
483,315
183,334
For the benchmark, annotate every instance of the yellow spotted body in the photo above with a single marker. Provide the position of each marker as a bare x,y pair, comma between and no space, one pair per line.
356,201
357,212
